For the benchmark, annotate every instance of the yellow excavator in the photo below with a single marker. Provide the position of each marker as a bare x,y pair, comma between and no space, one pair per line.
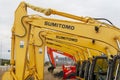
31,33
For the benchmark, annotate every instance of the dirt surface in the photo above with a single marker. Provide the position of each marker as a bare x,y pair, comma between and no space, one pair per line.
1,72
47,75
50,76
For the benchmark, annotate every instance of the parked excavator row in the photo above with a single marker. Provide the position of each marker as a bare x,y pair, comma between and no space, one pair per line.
93,44
80,72
97,58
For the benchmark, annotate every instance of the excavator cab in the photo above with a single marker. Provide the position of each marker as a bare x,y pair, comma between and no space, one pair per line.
114,70
98,68
87,67
82,69
94,69
77,68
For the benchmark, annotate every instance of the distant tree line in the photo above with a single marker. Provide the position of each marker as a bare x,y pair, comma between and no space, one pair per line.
4,62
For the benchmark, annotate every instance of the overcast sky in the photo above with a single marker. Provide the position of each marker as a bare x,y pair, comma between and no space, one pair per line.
109,9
